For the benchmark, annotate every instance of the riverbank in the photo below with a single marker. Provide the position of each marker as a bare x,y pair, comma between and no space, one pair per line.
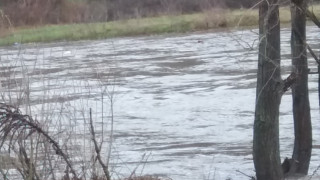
214,19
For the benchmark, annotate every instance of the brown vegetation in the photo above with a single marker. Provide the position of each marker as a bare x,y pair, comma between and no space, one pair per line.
18,135
39,12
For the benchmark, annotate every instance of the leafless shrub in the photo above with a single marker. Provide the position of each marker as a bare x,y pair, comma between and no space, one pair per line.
34,12
74,12
5,24
38,134
36,143
30,12
16,127
215,17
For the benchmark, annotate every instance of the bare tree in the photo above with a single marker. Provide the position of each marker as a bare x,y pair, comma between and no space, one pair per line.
300,94
270,88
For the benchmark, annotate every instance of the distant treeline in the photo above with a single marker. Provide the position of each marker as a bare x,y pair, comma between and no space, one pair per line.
34,12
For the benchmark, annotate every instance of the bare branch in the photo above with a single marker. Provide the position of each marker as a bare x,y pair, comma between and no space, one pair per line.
287,83
12,121
308,13
313,54
97,149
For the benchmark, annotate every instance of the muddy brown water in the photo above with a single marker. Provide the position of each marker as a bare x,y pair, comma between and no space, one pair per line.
183,104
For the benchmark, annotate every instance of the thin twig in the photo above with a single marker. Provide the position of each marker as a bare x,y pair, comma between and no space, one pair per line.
313,54
97,149
308,13
314,172
251,177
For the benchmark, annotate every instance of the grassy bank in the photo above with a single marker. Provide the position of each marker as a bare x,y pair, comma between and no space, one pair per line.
216,18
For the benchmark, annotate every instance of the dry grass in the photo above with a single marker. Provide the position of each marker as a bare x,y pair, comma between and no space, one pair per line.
209,19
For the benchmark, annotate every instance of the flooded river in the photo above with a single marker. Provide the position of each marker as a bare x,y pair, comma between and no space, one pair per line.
183,105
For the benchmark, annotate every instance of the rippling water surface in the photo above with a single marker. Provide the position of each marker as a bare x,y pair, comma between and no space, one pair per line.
182,103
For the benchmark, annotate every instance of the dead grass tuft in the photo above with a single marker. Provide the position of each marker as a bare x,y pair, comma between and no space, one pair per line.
216,17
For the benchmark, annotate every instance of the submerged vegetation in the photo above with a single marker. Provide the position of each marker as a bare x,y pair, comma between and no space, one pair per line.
209,19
